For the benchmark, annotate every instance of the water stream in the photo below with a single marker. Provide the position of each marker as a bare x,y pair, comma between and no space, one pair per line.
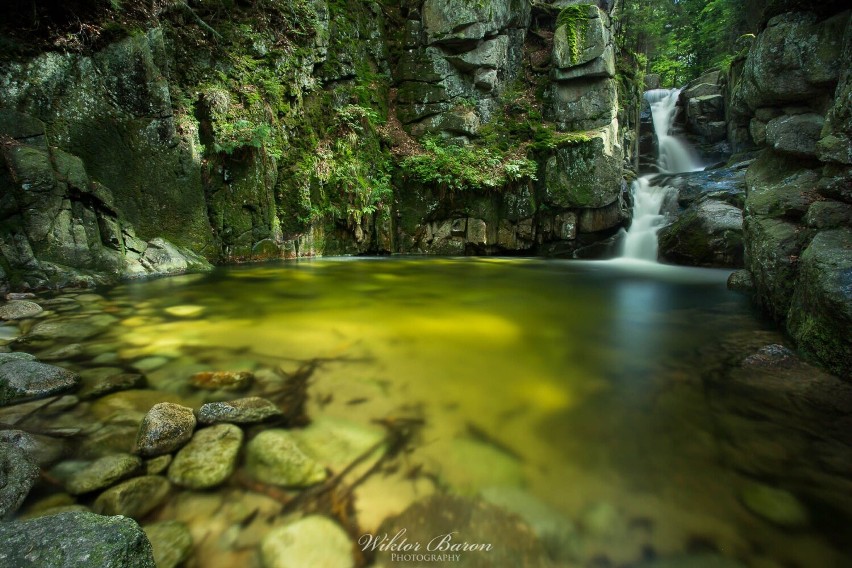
583,393
640,242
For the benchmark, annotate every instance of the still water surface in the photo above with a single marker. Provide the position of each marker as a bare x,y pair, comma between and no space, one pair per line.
583,385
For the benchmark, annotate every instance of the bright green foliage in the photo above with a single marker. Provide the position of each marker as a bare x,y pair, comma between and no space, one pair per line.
683,38
457,168
575,18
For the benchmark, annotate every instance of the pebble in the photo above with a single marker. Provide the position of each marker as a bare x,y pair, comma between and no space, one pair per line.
164,429
19,309
135,497
208,459
314,541
102,473
273,457
171,541
240,411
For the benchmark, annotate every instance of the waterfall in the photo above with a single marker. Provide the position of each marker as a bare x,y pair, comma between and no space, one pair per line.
640,242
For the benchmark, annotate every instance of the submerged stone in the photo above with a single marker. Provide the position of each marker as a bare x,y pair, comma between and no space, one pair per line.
274,457
240,411
75,539
171,541
225,380
164,429
102,473
22,380
133,498
208,459
312,541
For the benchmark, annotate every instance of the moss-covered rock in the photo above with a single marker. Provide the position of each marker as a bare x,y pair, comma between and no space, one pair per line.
708,233
820,316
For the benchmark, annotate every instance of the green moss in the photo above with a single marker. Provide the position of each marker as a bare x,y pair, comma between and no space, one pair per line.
575,19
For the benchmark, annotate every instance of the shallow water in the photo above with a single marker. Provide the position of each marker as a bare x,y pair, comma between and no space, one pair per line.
582,384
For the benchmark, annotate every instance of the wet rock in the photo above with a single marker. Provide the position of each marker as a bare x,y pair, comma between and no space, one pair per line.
18,473
312,541
22,380
19,309
512,542
102,473
797,134
709,233
158,465
74,539
225,380
336,442
71,328
274,457
741,281
107,381
135,497
63,353
771,356
775,505
171,541
148,364
208,459
44,450
15,356
240,411
164,429
829,215
162,257
820,316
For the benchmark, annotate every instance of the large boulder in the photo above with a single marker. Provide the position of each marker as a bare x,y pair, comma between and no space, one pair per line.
460,21
586,173
772,248
820,317
793,60
18,473
583,104
73,540
708,233
797,134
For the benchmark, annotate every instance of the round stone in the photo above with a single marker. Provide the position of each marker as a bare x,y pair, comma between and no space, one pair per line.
165,428
311,541
102,473
19,309
208,459
171,541
241,411
273,457
133,498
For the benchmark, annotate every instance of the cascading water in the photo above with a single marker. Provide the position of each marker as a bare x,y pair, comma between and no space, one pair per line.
640,242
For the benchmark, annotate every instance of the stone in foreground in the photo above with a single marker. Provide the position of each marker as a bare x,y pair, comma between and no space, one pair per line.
74,540
208,459
165,428
172,542
273,457
312,541
22,380
133,498
18,473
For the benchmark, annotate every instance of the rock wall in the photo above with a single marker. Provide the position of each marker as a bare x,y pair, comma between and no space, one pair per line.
284,129
790,100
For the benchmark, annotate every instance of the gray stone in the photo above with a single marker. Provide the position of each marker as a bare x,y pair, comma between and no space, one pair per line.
583,104
273,456
586,174
16,356
135,497
592,220
19,309
102,473
75,539
165,428
741,281
599,67
240,411
829,215
312,541
709,233
18,473
775,505
797,135
208,459
820,317
491,54
163,257
171,542
27,380
459,21
477,232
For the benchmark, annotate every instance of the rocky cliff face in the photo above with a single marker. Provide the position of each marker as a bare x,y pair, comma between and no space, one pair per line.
790,99
289,128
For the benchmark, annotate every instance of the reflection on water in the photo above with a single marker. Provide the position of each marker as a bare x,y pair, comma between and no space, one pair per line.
582,384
